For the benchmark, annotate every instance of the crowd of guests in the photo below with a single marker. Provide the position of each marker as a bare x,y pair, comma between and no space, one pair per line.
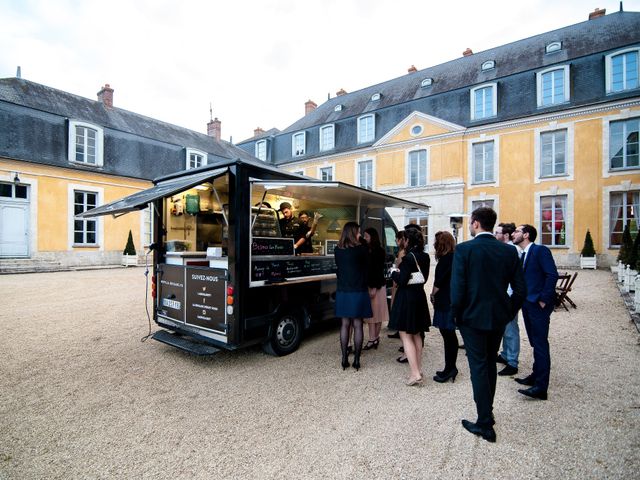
478,289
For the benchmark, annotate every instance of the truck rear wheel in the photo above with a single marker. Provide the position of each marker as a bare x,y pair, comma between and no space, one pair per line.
285,335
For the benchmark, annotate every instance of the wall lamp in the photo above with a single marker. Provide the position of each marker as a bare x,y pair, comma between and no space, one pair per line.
16,178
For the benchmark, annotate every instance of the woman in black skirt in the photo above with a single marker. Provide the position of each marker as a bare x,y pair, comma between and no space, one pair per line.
352,294
410,312
444,246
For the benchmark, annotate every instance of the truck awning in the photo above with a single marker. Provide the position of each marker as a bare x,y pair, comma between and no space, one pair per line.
140,200
334,193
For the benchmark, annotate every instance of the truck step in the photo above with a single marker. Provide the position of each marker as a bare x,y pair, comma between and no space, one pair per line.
184,343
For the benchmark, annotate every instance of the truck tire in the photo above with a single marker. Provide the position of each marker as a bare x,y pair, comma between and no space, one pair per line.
285,335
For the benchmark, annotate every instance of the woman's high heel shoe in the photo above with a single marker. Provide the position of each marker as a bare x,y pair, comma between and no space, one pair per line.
356,363
345,363
417,382
451,374
372,344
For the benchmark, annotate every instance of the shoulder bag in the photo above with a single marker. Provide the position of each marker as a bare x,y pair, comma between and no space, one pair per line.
416,278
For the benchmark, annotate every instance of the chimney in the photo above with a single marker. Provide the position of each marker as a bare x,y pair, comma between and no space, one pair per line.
342,91
258,131
19,72
597,13
412,69
467,52
105,95
214,128
309,106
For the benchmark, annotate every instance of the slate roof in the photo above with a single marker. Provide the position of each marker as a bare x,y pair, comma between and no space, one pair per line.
604,33
448,97
128,136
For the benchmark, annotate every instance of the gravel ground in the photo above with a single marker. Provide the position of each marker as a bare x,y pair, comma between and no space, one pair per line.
82,397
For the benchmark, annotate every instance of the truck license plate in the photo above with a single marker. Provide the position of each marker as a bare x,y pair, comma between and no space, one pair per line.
171,303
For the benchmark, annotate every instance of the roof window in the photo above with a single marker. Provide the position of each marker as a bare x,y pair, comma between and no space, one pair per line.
426,82
553,47
375,97
337,108
488,65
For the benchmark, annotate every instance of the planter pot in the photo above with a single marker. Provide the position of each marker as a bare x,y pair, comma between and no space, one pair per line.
129,260
588,262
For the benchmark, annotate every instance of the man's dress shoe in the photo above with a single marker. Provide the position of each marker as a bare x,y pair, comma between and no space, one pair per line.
500,359
508,370
529,381
534,392
489,434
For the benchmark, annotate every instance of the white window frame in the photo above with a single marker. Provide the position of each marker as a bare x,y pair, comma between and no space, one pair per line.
622,187
260,150
553,47
566,92
417,149
494,100
329,146
33,207
483,197
488,65
496,160
609,70
361,132
625,114
71,153
625,156
419,215
193,151
554,191
373,172
71,189
569,151
298,152
323,167
146,226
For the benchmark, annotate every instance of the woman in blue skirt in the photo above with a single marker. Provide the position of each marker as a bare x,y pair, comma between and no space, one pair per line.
352,293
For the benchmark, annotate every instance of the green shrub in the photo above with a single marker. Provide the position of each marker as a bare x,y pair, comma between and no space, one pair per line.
130,249
626,247
587,249
634,255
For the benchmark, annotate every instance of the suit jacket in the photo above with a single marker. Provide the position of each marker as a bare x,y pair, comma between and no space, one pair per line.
540,275
482,270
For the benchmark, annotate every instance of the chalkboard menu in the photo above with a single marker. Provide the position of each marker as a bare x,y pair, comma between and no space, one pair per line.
330,246
272,246
275,270
205,300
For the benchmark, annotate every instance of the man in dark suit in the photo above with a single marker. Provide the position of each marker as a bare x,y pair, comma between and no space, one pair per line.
540,275
482,270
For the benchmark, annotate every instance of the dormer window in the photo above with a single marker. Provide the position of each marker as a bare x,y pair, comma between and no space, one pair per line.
366,128
261,150
484,101
488,65
337,108
426,82
195,158
375,97
622,70
298,144
553,47
85,143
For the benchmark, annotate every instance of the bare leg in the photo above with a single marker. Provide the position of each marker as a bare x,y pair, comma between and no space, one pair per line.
410,352
418,345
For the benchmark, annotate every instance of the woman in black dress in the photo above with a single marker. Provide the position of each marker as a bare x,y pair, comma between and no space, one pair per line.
410,312
352,294
444,246
377,288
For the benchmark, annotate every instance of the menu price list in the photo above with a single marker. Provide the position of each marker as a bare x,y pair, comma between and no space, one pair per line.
273,271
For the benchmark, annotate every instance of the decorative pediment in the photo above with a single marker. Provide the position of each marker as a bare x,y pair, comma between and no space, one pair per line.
418,125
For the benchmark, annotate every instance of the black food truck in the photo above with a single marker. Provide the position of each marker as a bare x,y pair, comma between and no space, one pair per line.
224,274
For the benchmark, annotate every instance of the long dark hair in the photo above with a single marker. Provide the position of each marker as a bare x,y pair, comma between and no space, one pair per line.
374,243
349,237
415,239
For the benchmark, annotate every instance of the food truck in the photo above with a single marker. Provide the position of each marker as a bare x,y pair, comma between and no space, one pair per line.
224,276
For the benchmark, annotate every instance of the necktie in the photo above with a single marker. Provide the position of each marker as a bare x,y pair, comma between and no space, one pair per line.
522,259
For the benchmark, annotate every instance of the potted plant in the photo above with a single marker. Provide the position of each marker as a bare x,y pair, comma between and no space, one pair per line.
129,255
588,253
625,247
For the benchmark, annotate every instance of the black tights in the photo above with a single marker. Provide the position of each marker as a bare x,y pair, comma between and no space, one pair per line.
450,349
358,335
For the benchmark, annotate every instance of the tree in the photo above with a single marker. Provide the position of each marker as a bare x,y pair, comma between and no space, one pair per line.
130,249
588,250
634,255
627,245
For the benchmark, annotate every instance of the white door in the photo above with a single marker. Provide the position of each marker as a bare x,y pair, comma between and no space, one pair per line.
14,221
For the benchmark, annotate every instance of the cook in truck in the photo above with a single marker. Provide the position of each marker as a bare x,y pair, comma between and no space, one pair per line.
298,229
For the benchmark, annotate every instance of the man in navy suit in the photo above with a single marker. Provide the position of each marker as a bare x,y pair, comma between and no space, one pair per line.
482,270
540,275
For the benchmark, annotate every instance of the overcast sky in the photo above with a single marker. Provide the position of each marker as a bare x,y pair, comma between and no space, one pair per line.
256,61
